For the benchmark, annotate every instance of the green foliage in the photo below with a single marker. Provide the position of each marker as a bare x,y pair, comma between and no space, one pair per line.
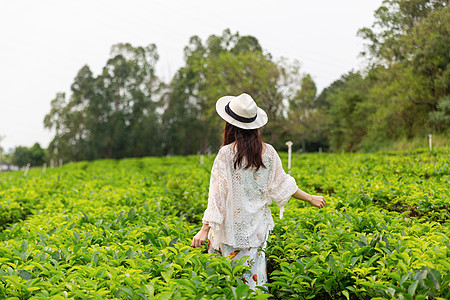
406,77
1,148
123,228
396,20
35,155
348,111
307,120
126,111
224,65
21,156
441,117
111,115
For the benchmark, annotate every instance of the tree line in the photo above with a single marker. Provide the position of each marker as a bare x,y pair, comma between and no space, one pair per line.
128,111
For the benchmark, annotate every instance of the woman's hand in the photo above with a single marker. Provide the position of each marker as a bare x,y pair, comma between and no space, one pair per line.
317,201
200,238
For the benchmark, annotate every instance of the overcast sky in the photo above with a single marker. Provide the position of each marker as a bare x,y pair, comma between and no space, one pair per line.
43,44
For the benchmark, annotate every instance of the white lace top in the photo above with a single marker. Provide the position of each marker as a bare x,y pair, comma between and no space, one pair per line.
238,204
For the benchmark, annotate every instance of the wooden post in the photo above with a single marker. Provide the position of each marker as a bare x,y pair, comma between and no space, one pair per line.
52,163
320,149
60,162
44,167
201,160
26,169
289,144
430,136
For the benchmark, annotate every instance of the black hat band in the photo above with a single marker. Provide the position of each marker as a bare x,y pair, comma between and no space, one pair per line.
237,117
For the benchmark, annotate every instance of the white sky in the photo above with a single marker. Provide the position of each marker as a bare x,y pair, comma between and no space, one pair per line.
44,43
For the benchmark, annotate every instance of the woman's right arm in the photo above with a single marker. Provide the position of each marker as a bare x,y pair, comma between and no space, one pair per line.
214,213
317,201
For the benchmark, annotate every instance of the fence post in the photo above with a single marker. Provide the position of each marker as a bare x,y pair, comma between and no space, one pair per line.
26,169
430,136
289,144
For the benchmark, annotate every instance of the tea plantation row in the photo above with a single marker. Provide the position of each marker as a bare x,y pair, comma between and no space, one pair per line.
122,229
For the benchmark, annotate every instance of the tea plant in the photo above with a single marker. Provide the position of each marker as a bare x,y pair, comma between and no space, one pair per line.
123,228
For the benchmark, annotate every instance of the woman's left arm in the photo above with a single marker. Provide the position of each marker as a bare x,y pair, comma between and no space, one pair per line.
317,201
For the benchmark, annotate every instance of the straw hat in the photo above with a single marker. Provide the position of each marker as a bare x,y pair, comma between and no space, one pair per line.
241,111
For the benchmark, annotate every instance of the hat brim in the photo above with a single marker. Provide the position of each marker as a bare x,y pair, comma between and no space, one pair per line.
260,121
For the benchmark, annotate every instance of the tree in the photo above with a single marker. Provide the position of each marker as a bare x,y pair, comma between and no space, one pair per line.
229,64
37,155
395,20
182,130
441,117
407,73
349,113
412,37
1,139
306,118
322,100
1,148
21,156
226,65
34,155
112,115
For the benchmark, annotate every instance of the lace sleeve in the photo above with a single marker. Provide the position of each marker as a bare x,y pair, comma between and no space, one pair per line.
214,213
282,186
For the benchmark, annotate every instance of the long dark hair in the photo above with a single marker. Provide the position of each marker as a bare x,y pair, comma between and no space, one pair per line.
248,143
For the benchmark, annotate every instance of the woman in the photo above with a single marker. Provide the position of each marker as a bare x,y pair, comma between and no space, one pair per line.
247,175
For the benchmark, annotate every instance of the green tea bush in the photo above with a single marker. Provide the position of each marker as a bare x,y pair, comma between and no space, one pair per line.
123,228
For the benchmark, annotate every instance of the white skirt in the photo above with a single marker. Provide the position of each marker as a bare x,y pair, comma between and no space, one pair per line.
256,262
